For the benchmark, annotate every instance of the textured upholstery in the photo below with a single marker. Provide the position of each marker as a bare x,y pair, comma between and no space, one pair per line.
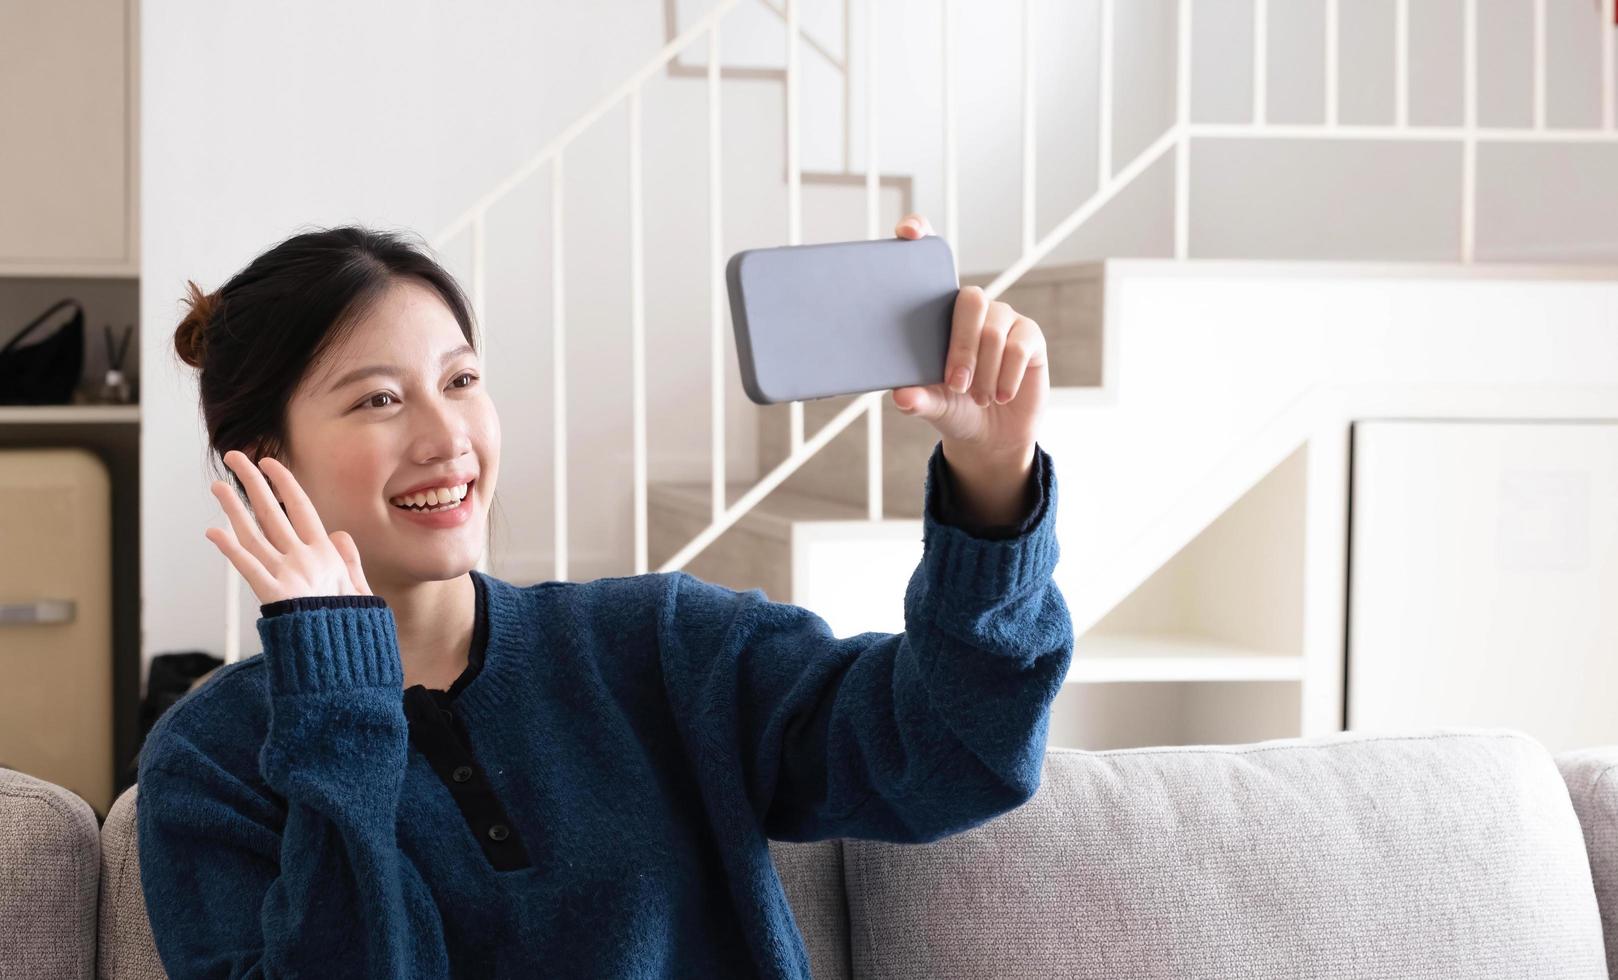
1592,783
1448,853
1441,854
126,951
812,875
50,869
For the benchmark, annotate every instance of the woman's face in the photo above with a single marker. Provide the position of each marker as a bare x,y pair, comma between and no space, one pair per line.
397,405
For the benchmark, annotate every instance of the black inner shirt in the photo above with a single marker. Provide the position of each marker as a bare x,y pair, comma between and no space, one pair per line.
437,732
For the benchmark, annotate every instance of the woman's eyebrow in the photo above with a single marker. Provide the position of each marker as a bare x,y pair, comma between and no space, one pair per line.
388,370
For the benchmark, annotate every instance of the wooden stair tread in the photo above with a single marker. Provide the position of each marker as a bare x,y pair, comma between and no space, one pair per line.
774,515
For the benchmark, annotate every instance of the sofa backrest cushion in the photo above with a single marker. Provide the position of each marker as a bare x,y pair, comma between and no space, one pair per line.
812,877
49,874
125,950
1592,783
1439,853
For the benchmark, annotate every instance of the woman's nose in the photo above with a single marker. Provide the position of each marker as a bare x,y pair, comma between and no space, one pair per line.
442,433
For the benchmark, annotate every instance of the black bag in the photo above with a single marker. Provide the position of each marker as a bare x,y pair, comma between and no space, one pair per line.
48,372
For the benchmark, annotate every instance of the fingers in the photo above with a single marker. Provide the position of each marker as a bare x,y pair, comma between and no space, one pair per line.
997,322
276,528
245,529
913,225
260,580
1025,345
299,509
966,330
922,401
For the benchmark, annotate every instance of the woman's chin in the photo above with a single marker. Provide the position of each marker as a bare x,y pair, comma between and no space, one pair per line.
434,556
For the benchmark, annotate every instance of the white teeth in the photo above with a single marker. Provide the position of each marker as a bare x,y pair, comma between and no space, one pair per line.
432,498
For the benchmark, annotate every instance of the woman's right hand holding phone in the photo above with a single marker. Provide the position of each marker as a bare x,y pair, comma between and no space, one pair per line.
282,554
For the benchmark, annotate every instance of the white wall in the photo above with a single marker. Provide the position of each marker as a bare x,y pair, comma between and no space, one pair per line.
257,121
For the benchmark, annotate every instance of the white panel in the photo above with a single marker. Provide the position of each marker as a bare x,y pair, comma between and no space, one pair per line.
64,128
1484,559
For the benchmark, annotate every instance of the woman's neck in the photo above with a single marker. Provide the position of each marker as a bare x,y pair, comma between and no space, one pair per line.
433,622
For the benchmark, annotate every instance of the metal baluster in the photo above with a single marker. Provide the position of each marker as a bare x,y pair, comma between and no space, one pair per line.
637,326
716,279
558,374
873,418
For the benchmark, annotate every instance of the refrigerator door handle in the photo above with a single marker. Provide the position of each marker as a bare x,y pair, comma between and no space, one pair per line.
37,612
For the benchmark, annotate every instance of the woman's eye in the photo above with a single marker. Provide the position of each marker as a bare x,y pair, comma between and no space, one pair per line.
372,403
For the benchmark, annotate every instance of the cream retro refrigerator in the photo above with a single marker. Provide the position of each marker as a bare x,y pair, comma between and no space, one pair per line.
56,619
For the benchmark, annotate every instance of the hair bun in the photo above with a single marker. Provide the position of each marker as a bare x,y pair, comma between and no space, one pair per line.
191,336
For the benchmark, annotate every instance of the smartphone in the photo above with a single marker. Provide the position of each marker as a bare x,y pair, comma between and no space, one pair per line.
839,318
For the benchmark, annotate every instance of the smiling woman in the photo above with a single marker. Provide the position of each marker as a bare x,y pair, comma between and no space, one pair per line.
430,771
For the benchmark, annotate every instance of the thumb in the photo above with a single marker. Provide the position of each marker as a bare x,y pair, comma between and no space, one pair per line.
344,543
922,401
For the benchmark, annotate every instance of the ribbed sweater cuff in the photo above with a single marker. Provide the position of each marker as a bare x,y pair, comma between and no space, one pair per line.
957,564
330,643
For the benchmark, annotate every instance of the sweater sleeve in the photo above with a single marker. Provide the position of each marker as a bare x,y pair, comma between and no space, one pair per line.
905,737
238,885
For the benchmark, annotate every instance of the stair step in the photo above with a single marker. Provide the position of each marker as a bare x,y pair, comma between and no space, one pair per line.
773,516
838,471
756,551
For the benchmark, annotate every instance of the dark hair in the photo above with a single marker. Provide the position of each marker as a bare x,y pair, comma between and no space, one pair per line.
253,339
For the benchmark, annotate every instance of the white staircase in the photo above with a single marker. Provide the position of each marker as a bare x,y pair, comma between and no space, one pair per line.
1199,419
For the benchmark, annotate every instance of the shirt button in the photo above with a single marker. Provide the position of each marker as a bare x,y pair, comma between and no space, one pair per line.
461,774
499,832
449,715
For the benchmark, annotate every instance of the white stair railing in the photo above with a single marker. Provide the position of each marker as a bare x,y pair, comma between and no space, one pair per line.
473,221
1033,247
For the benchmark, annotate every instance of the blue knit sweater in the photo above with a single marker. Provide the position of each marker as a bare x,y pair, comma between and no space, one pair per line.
644,735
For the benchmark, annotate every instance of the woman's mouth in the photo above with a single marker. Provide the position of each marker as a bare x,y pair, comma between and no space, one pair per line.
443,507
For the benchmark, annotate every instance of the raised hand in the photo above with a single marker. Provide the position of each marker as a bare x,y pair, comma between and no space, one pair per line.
282,555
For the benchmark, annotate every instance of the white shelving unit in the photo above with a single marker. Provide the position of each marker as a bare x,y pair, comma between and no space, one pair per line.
1210,648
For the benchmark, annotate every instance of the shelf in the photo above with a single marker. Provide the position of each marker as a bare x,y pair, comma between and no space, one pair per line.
1101,658
10,269
70,414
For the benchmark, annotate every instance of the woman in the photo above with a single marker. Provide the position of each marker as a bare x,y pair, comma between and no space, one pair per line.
430,772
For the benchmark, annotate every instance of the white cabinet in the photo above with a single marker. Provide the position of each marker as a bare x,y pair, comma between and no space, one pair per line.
68,138
1483,578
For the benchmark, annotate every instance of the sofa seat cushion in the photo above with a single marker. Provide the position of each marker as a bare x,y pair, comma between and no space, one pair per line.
1437,854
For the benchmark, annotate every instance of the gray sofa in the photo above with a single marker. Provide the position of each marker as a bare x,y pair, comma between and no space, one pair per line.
1443,853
